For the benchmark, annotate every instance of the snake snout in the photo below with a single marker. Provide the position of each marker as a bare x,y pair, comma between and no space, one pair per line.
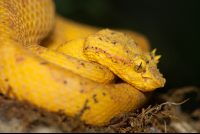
150,83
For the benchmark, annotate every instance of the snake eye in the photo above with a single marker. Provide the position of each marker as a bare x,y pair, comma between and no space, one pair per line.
139,65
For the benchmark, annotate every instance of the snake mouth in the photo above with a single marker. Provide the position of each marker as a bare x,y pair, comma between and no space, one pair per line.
150,84
152,79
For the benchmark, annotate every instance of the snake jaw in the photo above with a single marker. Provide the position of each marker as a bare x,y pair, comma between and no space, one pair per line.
147,83
151,79
153,84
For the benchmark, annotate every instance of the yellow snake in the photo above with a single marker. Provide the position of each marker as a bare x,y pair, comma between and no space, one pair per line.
45,77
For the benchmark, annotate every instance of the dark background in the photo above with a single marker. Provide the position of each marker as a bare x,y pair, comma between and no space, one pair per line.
172,26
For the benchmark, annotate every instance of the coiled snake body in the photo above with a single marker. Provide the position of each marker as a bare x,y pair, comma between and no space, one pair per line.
39,75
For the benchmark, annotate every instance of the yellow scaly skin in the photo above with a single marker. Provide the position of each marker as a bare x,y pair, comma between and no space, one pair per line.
86,69
120,54
26,76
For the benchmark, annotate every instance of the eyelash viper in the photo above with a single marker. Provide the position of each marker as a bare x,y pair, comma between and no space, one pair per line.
26,76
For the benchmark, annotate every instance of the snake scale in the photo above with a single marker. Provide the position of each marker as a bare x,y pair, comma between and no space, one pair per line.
55,81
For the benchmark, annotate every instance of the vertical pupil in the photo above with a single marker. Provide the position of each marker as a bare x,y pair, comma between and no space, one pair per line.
140,66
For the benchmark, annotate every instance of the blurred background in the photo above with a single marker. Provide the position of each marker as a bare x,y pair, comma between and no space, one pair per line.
171,26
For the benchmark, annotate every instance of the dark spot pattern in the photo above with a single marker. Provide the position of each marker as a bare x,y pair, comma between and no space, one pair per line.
94,97
136,44
82,64
100,38
100,67
81,91
86,101
84,108
113,43
8,91
65,82
104,94
44,63
6,79
151,56
147,62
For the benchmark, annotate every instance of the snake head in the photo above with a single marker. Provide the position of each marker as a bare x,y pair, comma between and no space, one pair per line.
123,56
147,76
